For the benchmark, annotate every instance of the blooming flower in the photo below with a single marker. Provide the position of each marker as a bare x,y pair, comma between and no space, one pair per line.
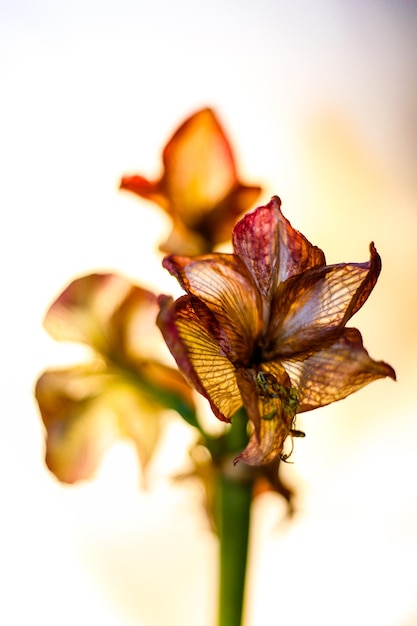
199,188
122,391
265,328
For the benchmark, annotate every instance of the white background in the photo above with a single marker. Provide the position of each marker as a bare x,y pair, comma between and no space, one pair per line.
320,102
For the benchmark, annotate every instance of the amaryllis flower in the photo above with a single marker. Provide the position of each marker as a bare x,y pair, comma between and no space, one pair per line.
265,328
122,391
199,187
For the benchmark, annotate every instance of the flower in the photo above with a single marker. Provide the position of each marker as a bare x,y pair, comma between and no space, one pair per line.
199,188
265,328
122,392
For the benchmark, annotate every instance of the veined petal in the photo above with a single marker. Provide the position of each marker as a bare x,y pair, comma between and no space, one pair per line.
309,306
266,448
335,371
195,340
272,249
223,284
85,409
266,403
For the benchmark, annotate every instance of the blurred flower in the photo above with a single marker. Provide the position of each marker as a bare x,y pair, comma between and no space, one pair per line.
199,188
122,392
265,328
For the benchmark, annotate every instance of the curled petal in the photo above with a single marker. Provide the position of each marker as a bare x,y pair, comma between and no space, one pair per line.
269,445
313,304
334,371
146,189
85,409
223,284
195,340
270,413
272,249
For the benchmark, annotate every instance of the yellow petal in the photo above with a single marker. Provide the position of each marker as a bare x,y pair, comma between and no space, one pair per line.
199,166
195,339
85,409
222,283
82,311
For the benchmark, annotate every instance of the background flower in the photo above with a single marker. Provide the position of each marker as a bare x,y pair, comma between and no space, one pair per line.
122,392
199,188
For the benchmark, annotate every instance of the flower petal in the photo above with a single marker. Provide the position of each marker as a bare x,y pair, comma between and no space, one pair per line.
270,414
223,284
335,371
112,315
82,311
195,339
272,249
219,223
85,409
309,306
133,335
199,166
145,189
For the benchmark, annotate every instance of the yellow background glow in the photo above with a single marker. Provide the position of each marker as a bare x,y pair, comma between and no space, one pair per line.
320,102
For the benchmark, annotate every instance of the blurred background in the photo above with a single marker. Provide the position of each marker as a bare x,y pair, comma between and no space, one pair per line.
320,102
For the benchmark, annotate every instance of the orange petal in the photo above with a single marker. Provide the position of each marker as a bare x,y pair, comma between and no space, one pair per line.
145,189
335,371
199,166
199,187
195,339
219,223
271,249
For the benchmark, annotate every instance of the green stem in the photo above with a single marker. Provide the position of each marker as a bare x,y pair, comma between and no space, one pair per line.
234,502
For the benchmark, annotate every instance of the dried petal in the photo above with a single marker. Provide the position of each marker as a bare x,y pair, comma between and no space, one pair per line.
334,371
195,340
223,284
272,249
313,304
267,399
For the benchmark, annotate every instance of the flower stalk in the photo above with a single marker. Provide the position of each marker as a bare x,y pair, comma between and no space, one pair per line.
234,495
